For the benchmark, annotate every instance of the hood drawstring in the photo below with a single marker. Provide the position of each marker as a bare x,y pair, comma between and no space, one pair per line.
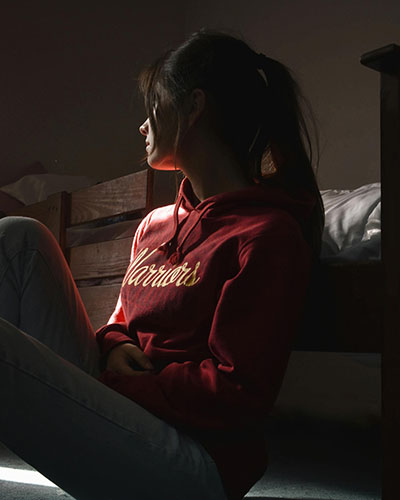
167,247
176,257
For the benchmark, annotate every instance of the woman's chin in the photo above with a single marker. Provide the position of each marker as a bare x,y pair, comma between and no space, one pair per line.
160,164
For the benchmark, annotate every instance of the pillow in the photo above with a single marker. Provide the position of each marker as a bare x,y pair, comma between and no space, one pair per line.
33,188
352,223
8,176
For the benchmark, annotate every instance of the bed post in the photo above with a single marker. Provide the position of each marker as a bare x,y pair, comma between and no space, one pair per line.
386,60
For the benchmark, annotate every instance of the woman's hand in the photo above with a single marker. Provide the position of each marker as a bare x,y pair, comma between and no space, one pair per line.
124,357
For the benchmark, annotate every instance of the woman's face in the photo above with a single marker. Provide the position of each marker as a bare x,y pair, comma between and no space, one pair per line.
159,157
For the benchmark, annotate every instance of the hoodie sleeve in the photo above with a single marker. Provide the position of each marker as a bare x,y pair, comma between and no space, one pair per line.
250,340
116,331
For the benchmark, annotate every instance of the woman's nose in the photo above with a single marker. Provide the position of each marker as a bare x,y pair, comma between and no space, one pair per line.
143,127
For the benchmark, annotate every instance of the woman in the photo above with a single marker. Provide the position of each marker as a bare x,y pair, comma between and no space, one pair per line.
170,401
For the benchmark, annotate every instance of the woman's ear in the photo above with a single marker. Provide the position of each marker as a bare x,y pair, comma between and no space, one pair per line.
196,105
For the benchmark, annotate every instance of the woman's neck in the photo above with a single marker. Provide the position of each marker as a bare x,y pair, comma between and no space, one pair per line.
212,169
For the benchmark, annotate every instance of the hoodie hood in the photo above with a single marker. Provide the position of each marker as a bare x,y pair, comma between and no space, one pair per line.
300,206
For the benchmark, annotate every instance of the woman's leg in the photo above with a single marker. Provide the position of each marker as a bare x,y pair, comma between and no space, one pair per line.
89,440
85,437
38,294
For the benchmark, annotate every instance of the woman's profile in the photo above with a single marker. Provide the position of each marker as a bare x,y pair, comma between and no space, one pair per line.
169,398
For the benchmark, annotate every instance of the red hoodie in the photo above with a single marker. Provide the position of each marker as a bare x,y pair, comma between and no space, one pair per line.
213,296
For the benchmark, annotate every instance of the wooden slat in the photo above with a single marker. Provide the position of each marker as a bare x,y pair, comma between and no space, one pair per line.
344,311
51,212
100,302
118,196
82,235
100,260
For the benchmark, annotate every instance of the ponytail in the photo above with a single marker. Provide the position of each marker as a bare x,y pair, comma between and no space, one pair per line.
283,149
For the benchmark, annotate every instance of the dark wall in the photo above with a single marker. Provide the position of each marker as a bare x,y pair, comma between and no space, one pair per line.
321,41
68,96
67,91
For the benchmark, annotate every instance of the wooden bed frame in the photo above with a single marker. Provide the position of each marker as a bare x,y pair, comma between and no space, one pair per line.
363,299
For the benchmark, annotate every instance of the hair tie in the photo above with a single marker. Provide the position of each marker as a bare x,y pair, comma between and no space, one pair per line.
261,63
261,60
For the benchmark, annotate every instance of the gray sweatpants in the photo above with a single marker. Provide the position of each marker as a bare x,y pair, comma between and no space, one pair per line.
91,441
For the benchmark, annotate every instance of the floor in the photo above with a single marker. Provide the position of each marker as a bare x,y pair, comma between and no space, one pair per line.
319,459
309,459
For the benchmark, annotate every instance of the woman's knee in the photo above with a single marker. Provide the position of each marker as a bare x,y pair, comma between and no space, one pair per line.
18,231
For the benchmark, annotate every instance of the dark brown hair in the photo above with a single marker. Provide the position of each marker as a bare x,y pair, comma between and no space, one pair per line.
259,117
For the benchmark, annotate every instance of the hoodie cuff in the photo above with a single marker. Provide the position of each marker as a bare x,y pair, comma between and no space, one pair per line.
109,341
112,339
